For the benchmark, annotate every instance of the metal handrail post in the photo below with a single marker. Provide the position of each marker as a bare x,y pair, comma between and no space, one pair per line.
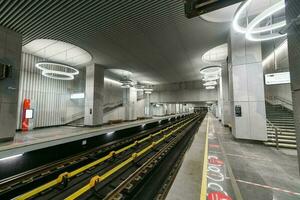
276,137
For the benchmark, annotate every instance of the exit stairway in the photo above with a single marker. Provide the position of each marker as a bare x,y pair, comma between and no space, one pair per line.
283,119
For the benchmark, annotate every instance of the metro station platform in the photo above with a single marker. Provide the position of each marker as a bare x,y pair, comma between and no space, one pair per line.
47,137
234,169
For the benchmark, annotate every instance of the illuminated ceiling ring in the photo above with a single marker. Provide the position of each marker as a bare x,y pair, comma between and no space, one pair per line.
235,22
258,19
241,29
252,29
210,70
58,75
40,65
68,74
210,83
211,77
210,87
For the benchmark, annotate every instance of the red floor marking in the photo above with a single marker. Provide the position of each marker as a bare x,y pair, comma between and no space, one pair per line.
218,196
215,161
269,187
213,145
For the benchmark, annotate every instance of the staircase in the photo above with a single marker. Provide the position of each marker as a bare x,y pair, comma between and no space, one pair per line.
282,119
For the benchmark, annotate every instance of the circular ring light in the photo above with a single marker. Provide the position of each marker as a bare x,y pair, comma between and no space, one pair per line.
252,29
210,87
57,74
211,77
210,83
257,20
211,70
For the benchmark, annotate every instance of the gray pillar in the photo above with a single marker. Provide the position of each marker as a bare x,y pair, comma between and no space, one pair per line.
10,55
94,91
147,105
226,110
246,73
129,102
292,11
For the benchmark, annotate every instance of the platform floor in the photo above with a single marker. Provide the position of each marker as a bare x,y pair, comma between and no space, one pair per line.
46,137
239,169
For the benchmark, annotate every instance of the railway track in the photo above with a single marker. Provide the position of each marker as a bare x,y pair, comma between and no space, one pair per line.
113,175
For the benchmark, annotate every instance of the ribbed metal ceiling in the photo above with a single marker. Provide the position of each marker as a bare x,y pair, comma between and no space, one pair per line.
152,38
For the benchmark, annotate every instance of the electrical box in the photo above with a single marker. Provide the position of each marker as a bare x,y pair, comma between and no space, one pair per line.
5,71
238,111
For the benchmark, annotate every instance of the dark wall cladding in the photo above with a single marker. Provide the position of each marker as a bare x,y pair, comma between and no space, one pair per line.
10,54
292,12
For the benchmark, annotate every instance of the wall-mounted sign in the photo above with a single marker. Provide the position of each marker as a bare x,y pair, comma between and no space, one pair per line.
277,78
77,96
29,114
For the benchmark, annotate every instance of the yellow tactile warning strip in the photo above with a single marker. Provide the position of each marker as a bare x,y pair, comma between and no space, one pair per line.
204,171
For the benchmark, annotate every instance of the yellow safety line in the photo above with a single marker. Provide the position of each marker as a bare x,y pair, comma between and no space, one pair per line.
204,171
82,169
97,178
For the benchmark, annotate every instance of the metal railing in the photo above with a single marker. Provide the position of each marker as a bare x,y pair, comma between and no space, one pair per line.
277,131
284,103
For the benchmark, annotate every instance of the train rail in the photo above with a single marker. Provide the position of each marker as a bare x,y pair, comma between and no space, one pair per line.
109,175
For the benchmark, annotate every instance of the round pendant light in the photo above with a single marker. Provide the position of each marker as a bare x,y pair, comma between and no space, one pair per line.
210,87
252,28
210,83
211,70
63,71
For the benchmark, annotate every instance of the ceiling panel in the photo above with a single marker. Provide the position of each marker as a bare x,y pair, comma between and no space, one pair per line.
152,38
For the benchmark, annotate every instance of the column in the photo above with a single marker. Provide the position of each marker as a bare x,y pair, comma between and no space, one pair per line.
147,105
292,11
247,85
10,62
225,103
129,102
94,91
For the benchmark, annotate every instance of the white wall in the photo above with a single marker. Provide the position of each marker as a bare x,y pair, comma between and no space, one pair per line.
277,61
49,96
181,96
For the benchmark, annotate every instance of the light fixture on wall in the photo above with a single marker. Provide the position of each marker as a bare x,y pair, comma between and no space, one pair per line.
252,28
63,71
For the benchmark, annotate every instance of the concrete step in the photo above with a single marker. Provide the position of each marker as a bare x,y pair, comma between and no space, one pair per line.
269,129
292,146
282,133
283,127
286,141
289,137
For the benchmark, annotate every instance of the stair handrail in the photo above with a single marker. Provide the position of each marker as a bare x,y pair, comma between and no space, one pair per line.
283,101
276,132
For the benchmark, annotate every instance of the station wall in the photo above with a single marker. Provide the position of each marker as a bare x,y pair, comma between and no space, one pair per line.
277,61
51,98
192,91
